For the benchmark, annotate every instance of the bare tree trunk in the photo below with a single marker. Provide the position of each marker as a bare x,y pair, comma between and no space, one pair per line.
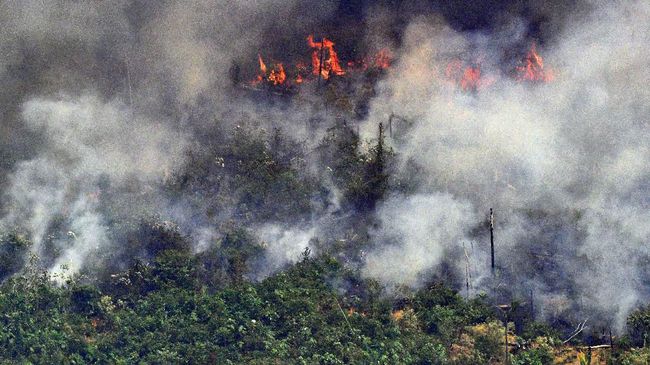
492,239
507,358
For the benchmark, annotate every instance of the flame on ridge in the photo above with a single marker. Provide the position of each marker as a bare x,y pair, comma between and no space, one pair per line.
325,63
324,59
532,68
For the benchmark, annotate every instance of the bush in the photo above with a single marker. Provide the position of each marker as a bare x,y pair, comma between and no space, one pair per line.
536,356
13,254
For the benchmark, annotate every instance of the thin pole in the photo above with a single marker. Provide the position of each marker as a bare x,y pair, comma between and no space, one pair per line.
507,352
468,276
128,83
611,345
344,316
492,239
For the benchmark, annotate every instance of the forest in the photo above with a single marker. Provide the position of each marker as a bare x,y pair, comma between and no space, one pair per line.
324,182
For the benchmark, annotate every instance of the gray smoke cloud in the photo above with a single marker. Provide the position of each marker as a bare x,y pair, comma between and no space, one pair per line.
86,140
104,99
98,109
575,148
433,229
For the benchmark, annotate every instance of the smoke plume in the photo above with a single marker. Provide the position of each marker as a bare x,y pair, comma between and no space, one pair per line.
106,104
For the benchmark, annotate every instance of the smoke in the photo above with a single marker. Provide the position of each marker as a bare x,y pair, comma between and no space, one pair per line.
434,227
88,143
575,149
283,246
102,100
107,102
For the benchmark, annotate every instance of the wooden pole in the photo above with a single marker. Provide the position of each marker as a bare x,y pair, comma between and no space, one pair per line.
467,270
611,347
128,83
507,352
492,239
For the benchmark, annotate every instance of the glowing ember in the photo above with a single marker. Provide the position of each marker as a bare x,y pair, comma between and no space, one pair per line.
277,76
467,78
471,79
532,68
383,58
324,59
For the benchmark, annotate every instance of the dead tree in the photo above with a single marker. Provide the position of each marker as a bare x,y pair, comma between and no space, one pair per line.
506,335
492,239
468,272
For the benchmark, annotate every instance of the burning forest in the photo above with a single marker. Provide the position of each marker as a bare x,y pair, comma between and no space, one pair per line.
364,182
325,64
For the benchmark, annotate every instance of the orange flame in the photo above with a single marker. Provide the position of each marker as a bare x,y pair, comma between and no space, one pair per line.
383,58
468,78
262,65
277,76
324,62
471,79
330,63
533,68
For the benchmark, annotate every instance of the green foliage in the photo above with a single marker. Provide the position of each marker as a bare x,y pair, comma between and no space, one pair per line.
443,311
638,325
160,312
362,177
635,357
316,312
13,253
536,356
533,330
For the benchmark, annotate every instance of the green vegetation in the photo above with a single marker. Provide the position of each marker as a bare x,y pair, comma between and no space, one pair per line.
162,312
167,312
152,300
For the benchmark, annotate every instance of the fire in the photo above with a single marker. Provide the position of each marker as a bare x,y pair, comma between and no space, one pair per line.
464,75
325,62
467,78
532,68
262,65
322,63
383,58
471,78
277,76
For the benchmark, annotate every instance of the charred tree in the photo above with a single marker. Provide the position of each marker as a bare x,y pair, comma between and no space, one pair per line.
376,176
492,240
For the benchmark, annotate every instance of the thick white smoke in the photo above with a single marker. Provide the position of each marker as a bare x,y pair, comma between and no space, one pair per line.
131,73
575,148
435,226
86,140
565,165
